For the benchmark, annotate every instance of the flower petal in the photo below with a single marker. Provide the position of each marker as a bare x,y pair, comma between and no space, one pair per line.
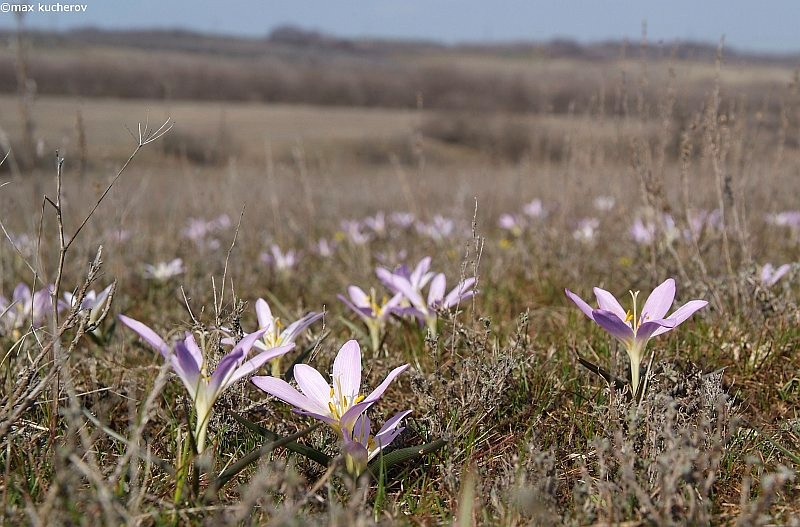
264,314
436,291
347,370
312,384
149,336
646,330
659,301
284,391
608,302
610,322
682,313
463,291
583,306
295,328
358,296
256,362
378,392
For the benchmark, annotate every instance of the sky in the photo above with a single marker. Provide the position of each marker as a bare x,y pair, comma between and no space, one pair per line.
764,26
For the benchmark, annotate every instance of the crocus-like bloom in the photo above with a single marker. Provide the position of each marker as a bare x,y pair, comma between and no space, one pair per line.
273,333
360,447
338,404
604,203
163,271
788,218
376,223
95,303
511,223
634,329
769,275
280,260
642,233
587,228
373,313
439,229
534,209
25,308
352,231
189,364
403,220
411,285
325,248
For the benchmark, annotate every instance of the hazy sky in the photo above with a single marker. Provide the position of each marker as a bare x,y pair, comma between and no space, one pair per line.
765,25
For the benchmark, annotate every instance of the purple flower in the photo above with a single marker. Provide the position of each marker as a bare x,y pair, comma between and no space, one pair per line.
280,260
511,223
534,209
634,329
360,447
373,313
26,308
586,230
376,223
338,404
411,285
325,248
163,271
769,275
94,303
403,220
439,229
352,231
604,203
188,363
272,332
642,233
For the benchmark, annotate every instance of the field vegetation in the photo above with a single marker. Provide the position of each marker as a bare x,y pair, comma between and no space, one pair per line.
162,188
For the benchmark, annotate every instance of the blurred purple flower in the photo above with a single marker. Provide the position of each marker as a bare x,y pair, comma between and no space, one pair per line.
354,233
534,209
403,220
163,271
769,275
373,313
26,308
604,203
586,230
280,260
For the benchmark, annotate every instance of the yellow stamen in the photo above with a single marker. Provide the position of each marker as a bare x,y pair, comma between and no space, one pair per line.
628,316
358,399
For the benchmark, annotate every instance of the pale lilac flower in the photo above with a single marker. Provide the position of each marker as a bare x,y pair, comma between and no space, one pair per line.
376,223
511,223
410,285
26,308
604,203
439,229
120,235
769,275
534,209
94,303
586,230
200,230
273,332
634,329
24,244
280,260
354,233
188,363
163,271
325,248
643,233
701,221
359,447
789,218
339,403
373,313
404,220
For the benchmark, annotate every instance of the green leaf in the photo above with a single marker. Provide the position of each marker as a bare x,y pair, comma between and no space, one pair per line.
297,448
253,456
383,463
